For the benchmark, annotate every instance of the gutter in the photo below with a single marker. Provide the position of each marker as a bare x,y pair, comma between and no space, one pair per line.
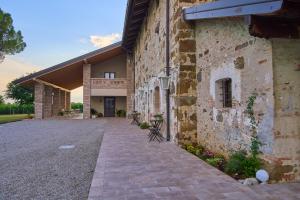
230,8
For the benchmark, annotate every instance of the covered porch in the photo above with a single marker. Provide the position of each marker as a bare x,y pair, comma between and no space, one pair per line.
53,86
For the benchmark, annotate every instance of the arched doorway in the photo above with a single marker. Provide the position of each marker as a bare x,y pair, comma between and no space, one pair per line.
156,100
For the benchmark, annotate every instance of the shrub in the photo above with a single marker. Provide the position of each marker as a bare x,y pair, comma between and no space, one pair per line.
77,106
216,162
207,154
190,148
100,114
144,125
121,113
196,150
242,166
6,109
61,113
234,165
93,111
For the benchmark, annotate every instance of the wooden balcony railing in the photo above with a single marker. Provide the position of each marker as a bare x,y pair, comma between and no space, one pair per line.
102,83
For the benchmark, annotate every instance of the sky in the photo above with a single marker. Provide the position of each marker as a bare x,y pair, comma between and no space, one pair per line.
58,30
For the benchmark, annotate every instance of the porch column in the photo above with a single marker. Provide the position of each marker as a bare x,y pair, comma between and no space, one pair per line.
86,91
68,100
62,100
48,101
55,101
130,84
39,94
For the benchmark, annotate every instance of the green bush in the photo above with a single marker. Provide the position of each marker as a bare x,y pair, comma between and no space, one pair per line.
216,162
242,166
144,125
77,106
93,111
121,113
196,150
6,109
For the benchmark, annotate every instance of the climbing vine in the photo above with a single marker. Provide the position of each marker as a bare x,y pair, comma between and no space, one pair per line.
255,143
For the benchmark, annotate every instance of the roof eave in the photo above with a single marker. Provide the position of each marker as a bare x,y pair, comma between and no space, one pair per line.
78,59
229,8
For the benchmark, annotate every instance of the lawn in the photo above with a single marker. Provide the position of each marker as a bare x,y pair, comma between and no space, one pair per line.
12,118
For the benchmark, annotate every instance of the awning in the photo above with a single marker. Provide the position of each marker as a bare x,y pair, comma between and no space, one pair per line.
266,18
69,74
229,8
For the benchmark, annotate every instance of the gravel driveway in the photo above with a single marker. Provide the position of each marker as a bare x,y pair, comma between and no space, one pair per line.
34,166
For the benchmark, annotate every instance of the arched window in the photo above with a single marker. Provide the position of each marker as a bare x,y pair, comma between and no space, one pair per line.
156,100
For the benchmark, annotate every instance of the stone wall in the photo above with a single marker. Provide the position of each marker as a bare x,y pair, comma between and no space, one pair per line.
150,62
226,50
285,160
266,68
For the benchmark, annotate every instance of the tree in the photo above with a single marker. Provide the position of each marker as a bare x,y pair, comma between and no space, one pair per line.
19,94
1,99
11,41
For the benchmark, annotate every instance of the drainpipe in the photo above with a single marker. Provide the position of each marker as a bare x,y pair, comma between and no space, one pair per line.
133,60
168,65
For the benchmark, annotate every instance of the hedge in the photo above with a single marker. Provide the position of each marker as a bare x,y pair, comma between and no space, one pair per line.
6,109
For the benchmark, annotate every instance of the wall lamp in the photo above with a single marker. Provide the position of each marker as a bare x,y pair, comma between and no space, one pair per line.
164,82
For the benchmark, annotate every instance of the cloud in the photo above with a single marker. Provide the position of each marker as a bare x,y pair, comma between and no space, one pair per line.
105,40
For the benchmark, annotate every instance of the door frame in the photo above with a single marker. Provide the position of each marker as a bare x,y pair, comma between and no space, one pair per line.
114,114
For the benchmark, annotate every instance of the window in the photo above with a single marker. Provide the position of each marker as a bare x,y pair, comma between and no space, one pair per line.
109,75
224,93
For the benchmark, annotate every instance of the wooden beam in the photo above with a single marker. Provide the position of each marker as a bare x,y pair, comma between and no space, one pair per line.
50,84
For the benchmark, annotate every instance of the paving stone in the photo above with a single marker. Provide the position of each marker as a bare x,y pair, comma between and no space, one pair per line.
129,167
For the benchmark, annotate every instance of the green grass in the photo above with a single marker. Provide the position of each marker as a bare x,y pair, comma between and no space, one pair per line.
12,118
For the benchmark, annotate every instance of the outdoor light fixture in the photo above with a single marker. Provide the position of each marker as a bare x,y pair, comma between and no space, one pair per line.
164,82
262,176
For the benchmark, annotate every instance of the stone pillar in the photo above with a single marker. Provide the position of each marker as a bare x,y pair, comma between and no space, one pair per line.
63,100
130,83
56,101
183,55
86,91
48,101
68,101
39,100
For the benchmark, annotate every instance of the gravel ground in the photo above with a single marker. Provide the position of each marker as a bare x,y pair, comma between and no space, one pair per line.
32,166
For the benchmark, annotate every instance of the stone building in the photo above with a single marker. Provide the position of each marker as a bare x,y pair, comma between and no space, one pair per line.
216,55
221,54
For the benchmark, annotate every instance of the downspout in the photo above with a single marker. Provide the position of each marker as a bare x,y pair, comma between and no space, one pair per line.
133,60
168,65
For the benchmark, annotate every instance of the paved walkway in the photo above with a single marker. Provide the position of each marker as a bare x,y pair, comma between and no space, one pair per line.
129,167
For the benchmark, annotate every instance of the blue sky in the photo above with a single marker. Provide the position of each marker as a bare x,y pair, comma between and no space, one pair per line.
58,30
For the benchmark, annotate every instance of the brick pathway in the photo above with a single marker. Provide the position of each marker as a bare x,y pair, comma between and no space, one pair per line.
129,167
